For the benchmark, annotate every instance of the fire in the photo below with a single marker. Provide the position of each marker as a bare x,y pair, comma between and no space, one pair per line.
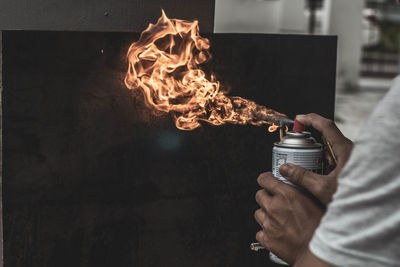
273,128
164,65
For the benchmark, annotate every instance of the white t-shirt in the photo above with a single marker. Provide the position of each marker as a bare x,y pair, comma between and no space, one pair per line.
362,224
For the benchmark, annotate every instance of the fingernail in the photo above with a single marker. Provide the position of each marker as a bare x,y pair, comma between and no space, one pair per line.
285,169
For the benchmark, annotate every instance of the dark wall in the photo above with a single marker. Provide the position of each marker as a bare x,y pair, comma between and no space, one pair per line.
92,178
100,15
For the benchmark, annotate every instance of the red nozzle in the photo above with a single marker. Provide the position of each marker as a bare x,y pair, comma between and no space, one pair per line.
298,127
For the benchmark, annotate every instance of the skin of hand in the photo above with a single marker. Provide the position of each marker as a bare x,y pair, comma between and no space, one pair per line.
287,216
321,186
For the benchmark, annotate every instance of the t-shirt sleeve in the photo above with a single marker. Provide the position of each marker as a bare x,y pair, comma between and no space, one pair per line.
362,224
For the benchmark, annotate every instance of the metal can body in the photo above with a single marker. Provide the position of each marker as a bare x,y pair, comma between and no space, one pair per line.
300,149
308,158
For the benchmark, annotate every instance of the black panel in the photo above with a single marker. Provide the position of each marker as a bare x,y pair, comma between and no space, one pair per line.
92,178
100,15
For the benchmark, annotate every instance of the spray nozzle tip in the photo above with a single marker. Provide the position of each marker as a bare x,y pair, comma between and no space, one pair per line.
298,127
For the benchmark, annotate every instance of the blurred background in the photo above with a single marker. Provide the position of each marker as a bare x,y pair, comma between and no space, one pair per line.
368,43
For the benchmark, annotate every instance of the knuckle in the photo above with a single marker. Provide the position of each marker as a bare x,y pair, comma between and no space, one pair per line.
321,187
319,121
258,195
276,234
272,209
313,116
298,175
324,186
260,177
260,237
265,224
276,186
288,196
321,193
305,175
257,213
328,123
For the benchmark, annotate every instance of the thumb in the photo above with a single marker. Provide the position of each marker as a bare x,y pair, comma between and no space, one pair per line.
302,177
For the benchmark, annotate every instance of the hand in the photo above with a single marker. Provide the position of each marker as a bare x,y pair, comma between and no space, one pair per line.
288,218
321,186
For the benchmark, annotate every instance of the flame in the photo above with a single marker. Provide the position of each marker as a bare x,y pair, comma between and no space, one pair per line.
164,65
273,128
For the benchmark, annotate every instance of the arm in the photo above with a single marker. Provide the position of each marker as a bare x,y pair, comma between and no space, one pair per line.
310,259
360,226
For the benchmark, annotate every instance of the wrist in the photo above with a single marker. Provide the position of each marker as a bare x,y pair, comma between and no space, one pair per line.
300,255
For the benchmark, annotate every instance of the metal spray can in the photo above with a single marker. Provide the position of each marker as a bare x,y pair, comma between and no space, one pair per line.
300,149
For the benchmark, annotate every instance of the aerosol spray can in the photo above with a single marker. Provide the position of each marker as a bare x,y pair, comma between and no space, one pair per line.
299,148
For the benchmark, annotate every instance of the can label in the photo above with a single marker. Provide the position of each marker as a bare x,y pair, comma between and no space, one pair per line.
302,151
308,158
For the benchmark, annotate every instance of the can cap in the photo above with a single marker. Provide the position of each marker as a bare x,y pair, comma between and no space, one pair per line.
294,139
298,127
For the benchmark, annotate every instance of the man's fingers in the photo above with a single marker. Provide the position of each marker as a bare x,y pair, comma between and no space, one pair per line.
317,122
341,145
262,239
263,198
261,218
272,185
326,126
302,177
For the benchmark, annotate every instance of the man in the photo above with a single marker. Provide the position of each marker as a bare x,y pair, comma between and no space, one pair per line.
361,223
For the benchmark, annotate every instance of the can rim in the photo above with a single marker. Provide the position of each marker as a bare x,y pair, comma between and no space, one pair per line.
298,140
315,145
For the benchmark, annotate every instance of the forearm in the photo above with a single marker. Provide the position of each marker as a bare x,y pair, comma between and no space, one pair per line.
309,259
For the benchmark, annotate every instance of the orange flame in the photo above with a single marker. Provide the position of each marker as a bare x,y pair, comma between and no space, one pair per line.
163,64
273,128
